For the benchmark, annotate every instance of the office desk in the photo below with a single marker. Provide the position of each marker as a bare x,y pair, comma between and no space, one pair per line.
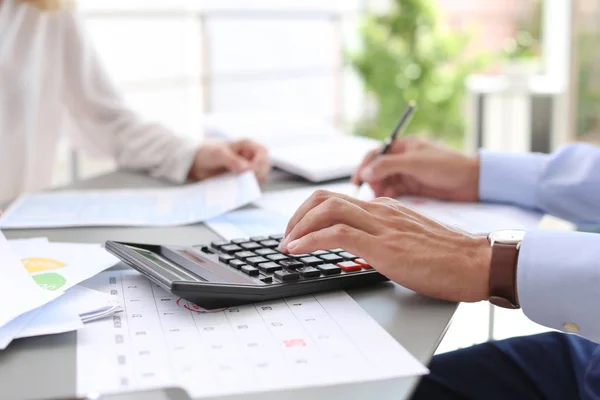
44,367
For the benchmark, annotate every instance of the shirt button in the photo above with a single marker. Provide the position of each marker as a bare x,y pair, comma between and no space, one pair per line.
571,327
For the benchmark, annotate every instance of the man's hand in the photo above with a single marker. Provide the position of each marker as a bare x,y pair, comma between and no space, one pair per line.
407,247
239,156
420,167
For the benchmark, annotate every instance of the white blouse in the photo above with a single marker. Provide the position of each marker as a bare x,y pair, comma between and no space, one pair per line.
51,83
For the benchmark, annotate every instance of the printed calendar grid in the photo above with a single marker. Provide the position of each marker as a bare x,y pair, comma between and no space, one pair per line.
162,340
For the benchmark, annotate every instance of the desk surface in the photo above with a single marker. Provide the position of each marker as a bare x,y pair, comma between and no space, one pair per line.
44,367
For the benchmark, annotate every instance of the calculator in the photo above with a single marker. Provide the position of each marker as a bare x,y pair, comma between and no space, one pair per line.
229,273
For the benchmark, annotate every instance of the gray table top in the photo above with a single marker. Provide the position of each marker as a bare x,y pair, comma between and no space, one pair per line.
44,367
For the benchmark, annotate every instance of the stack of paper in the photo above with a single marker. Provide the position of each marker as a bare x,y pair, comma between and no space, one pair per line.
471,217
68,313
132,207
302,144
39,286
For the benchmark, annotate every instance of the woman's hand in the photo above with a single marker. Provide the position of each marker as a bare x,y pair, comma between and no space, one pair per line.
238,156
398,242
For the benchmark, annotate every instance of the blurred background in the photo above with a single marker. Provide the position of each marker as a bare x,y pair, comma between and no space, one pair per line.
515,75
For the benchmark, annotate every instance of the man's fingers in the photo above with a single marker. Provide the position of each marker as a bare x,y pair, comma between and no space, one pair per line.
332,211
350,239
366,161
387,165
313,201
400,146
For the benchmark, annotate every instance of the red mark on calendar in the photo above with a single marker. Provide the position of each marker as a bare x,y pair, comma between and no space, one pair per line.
294,343
196,308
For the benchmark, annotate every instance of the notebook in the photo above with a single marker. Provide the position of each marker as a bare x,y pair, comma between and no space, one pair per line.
301,144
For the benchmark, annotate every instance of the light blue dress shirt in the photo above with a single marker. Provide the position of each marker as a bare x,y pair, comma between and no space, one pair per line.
558,272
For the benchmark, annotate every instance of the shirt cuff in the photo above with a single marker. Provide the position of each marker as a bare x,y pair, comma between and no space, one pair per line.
558,280
510,177
177,168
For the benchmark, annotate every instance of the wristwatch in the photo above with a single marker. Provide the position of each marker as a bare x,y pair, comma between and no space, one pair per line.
503,269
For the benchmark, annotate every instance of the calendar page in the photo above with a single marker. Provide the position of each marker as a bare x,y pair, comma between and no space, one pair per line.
161,340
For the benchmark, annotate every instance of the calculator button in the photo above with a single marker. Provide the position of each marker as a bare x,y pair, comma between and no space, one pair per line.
308,272
247,269
349,266
265,252
254,261
237,264
270,243
277,237
291,263
319,252
269,267
266,279
240,241
277,257
231,248
219,244
338,250
251,245
311,261
286,275
348,256
363,263
299,255
225,258
244,254
207,250
329,269
258,238
332,258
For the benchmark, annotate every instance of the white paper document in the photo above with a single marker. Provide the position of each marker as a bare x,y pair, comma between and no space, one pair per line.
60,266
476,217
303,144
69,312
161,340
52,268
18,292
11,330
132,207
286,202
55,317
247,223
471,217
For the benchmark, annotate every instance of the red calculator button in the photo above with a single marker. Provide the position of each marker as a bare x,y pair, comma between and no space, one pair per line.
362,262
349,266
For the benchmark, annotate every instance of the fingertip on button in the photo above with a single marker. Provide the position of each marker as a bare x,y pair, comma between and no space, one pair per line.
282,245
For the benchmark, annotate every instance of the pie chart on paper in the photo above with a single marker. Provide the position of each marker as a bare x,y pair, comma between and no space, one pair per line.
40,267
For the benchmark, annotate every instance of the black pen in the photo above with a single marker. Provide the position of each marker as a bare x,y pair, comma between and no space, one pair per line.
390,140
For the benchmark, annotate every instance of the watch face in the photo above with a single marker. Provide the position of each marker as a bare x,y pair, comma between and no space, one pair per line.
508,236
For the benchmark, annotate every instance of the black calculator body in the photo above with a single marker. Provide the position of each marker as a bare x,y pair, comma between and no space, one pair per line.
241,271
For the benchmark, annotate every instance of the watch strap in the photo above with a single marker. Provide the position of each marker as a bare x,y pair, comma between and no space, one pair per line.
503,275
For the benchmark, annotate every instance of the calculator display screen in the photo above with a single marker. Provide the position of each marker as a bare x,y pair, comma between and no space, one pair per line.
174,272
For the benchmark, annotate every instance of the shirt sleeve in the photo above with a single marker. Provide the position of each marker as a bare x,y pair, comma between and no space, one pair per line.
558,281
558,273
105,125
565,184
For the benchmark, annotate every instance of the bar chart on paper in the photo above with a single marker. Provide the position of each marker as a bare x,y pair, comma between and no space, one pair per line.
161,340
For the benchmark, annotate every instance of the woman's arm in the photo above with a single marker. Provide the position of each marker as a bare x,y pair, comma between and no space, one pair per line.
105,124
